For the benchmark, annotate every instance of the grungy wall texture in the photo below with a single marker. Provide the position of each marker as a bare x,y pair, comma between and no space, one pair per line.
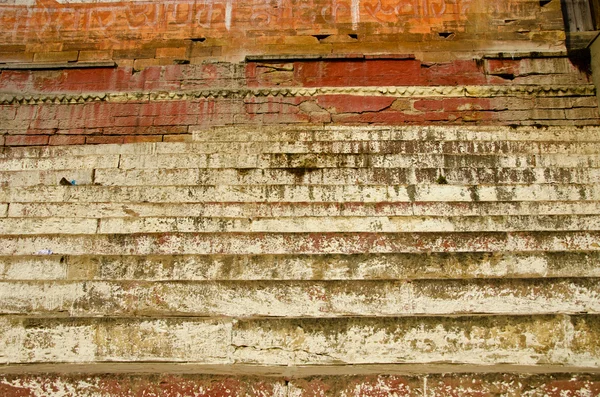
160,32
297,198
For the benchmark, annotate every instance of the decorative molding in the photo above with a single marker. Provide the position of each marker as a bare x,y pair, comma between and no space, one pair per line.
391,91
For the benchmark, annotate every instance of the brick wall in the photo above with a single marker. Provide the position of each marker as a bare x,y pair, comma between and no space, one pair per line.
165,103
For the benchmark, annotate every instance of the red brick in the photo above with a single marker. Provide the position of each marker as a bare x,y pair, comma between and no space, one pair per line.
26,112
182,119
8,112
270,107
274,118
454,73
71,123
177,138
123,130
169,52
15,81
174,72
65,113
43,124
502,66
67,140
132,121
97,80
126,109
429,105
320,118
142,138
168,108
98,123
78,131
26,140
152,73
110,385
40,131
392,117
97,110
16,124
171,129
358,73
103,139
354,103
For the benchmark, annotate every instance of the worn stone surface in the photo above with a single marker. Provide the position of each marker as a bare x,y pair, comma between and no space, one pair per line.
304,261
302,267
475,340
300,299
31,340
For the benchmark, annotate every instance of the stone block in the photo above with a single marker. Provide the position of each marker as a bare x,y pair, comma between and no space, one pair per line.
56,56
171,52
92,56
67,140
13,57
26,140
477,341
77,341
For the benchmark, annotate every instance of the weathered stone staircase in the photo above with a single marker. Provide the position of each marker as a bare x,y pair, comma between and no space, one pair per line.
333,260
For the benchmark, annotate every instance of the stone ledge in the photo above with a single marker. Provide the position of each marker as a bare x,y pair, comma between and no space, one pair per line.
312,57
299,371
56,65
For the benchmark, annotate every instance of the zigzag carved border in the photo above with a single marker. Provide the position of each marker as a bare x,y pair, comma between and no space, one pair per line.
394,91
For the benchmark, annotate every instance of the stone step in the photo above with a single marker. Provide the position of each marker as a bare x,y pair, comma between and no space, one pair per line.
324,176
284,176
527,340
304,224
300,193
531,341
300,298
333,147
332,224
398,266
60,163
297,209
306,135
376,133
28,226
298,243
46,177
304,162
307,162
